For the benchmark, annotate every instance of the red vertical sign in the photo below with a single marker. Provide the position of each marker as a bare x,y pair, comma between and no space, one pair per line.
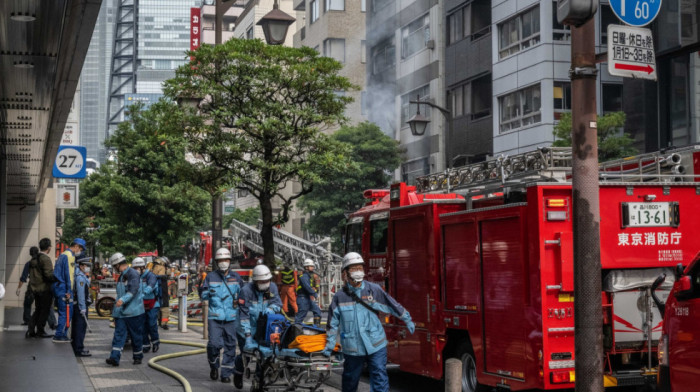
195,28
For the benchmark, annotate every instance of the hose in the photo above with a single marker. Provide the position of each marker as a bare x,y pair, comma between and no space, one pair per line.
152,362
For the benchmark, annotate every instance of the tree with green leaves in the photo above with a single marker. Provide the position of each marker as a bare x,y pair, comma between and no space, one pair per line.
376,156
613,143
139,202
260,119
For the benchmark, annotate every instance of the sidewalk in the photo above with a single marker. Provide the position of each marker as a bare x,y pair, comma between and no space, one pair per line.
36,364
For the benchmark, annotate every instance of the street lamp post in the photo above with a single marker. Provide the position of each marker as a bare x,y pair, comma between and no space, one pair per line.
275,25
419,123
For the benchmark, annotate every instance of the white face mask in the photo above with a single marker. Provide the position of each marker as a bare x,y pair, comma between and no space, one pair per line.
357,276
223,266
86,270
263,286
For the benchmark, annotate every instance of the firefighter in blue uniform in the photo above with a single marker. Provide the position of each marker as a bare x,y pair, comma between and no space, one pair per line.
257,298
151,293
64,271
80,308
128,312
307,294
354,311
222,288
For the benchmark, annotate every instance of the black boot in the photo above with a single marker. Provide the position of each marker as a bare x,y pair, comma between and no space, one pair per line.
214,374
238,381
317,321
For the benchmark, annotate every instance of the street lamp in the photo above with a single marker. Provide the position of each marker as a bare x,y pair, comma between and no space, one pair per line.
418,122
275,25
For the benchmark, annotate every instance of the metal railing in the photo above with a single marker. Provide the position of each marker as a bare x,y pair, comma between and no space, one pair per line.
293,250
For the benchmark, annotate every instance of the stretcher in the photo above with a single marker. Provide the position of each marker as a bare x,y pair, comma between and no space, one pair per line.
278,369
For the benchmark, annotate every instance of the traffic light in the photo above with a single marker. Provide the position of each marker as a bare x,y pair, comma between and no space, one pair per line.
575,12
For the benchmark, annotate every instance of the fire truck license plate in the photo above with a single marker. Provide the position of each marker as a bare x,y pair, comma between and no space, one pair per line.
649,214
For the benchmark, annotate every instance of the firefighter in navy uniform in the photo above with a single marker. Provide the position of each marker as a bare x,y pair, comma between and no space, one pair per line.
128,311
307,294
81,305
151,294
257,298
354,312
221,288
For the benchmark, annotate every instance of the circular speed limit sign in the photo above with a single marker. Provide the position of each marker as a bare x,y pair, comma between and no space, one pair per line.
70,162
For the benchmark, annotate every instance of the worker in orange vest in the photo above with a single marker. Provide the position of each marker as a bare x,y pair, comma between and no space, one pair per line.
287,279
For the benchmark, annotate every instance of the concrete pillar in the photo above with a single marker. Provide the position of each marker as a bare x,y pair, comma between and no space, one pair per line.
453,375
3,231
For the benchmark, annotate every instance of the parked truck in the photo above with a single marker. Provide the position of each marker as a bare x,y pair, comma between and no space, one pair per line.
482,257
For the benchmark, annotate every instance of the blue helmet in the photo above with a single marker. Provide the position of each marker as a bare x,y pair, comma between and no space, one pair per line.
81,242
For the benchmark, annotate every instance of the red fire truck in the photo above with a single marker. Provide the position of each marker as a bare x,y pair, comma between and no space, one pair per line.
679,346
482,257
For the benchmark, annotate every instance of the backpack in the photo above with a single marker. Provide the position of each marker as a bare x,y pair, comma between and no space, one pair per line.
269,324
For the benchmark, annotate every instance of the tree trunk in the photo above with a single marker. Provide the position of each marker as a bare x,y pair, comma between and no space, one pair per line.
266,232
159,247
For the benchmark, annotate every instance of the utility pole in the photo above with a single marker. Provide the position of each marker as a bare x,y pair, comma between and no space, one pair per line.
586,211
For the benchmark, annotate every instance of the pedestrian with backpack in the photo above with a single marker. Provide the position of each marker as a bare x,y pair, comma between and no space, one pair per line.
151,305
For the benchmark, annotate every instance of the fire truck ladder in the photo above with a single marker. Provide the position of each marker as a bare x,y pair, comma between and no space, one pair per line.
554,164
293,250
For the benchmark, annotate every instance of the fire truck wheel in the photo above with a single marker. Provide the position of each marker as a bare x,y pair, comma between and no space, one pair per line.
470,382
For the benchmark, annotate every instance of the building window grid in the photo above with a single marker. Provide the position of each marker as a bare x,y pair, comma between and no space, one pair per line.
519,32
472,99
560,32
335,48
383,57
562,96
415,168
415,36
520,108
313,9
335,5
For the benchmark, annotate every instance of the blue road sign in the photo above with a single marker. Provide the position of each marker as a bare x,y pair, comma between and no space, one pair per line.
636,12
70,162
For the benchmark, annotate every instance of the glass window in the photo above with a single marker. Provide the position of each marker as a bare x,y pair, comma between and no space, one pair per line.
519,32
562,96
249,33
313,6
481,97
612,98
409,109
520,108
353,238
162,64
334,48
455,24
383,56
335,5
415,36
457,95
363,5
560,32
379,232
480,19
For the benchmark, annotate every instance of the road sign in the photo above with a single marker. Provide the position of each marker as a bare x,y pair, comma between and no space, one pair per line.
67,196
631,52
70,162
636,12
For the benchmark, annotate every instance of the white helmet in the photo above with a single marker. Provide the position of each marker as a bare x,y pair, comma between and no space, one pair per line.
222,254
352,258
308,263
261,272
116,259
138,262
